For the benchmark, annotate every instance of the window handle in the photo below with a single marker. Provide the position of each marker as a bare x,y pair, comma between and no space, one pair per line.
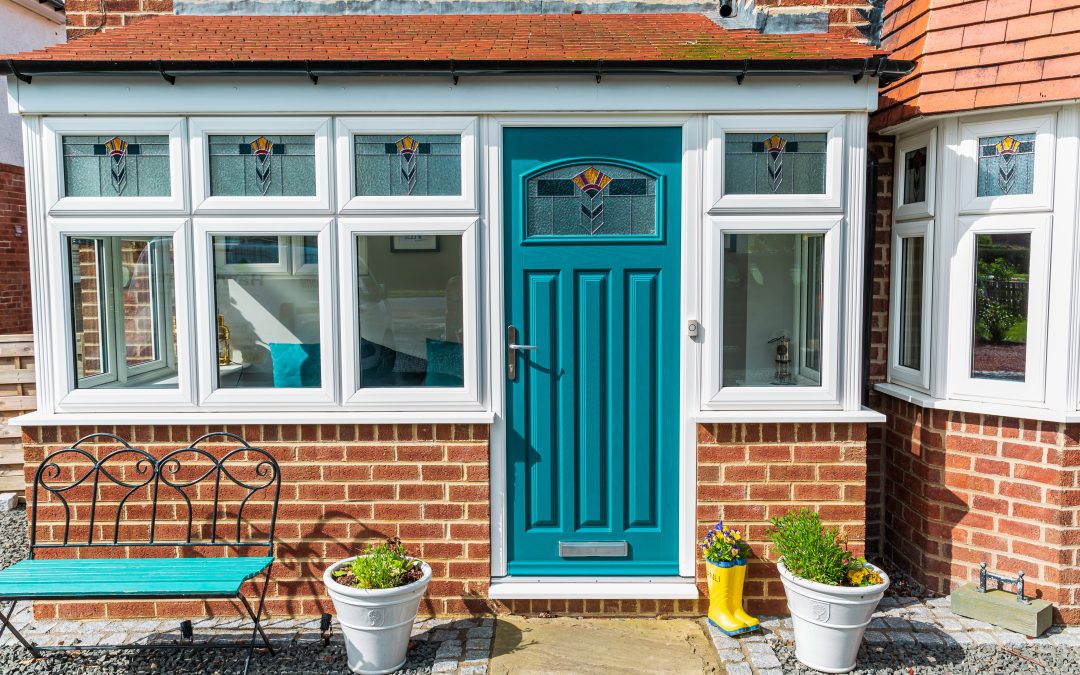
522,347
512,348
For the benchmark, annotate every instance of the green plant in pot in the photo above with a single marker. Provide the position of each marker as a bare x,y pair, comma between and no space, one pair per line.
831,593
376,596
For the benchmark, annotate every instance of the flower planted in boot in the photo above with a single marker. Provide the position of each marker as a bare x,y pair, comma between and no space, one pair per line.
725,554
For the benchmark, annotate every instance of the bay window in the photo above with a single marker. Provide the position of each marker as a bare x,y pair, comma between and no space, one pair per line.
911,303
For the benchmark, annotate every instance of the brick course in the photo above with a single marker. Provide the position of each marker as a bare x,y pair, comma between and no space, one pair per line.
15,316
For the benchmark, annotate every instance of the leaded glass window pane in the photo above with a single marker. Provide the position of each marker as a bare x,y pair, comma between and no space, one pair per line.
915,176
999,340
1006,165
587,200
763,164
254,166
116,166
400,165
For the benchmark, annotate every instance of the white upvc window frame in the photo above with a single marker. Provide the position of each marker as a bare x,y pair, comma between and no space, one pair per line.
714,395
73,399
918,379
264,398
463,398
203,202
719,125
1041,198
924,209
350,203
962,275
54,130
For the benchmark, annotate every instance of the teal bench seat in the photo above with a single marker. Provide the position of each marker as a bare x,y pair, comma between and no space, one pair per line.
129,577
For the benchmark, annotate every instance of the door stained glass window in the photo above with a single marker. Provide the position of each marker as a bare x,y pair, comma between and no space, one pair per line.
762,164
591,200
1006,165
915,176
403,165
116,166
255,166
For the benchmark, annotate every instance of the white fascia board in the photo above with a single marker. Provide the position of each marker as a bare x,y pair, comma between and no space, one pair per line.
863,416
39,418
225,94
659,589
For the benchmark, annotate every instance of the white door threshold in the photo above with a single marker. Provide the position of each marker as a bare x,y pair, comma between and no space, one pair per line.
657,589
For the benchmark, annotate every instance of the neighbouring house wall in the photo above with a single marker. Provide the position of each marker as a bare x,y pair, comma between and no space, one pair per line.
84,17
974,54
961,489
15,316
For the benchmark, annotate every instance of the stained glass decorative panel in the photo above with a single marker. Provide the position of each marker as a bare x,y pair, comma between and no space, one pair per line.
116,166
762,164
1006,165
402,165
591,200
256,166
915,176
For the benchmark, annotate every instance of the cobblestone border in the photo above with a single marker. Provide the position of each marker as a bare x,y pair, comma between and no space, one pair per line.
897,623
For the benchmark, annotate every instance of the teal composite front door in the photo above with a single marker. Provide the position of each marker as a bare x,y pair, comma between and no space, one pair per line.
592,299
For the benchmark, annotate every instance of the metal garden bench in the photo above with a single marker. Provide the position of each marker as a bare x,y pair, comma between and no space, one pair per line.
110,495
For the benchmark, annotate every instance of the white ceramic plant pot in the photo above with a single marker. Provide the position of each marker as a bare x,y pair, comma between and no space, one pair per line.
829,621
376,624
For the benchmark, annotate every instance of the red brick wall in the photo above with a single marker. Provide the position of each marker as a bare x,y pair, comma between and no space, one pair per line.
15,316
963,489
84,17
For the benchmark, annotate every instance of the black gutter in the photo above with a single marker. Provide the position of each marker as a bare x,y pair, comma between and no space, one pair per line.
886,69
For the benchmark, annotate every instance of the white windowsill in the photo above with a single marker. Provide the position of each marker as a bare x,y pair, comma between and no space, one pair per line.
657,589
863,416
924,400
39,418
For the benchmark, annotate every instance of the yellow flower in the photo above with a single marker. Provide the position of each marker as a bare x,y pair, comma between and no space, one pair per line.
737,536
857,576
874,578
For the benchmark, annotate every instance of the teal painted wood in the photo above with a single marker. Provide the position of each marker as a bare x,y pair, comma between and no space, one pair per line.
592,419
129,577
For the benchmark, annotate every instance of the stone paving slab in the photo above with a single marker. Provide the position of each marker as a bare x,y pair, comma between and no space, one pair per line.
899,624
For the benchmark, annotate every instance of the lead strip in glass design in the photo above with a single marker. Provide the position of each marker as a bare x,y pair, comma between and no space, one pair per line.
261,166
775,164
591,200
1006,165
410,165
116,166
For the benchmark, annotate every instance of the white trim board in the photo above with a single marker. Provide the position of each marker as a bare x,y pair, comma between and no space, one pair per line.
39,418
592,589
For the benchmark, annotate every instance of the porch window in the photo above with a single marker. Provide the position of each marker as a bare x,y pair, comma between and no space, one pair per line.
274,165
911,303
402,165
118,165
123,311
1000,324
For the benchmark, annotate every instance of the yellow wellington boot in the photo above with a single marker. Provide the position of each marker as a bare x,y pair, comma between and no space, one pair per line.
720,615
737,580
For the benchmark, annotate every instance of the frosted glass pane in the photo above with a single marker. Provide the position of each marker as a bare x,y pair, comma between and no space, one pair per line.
1006,165
272,166
591,200
116,166
772,309
915,176
411,311
761,164
911,302
999,340
417,165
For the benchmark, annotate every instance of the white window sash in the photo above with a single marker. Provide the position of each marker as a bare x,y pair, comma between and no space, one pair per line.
206,203
1041,197
962,276
119,397
410,398
54,130
719,125
919,379
263,398
925,208
349,127
717,397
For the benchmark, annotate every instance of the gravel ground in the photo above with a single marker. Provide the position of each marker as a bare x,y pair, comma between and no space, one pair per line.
13,542
979,660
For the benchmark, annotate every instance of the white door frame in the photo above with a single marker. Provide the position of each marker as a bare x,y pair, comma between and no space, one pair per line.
492,210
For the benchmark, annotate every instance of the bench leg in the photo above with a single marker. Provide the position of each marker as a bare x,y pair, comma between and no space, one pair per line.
255,617
5,619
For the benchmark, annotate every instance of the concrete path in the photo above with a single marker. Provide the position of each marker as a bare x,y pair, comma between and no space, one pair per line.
601,647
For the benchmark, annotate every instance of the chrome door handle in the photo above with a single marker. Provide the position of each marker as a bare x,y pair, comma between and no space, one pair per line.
512,348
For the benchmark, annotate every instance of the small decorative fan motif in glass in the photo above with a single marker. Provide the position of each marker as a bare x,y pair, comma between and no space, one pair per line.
1006,165
409,165
116,166
775,164
591,200
262,166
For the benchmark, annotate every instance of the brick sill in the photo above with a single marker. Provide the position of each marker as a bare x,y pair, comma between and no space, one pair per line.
924,400
45,419
676,588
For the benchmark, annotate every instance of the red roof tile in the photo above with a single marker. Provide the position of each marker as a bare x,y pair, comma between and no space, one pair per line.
461,38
